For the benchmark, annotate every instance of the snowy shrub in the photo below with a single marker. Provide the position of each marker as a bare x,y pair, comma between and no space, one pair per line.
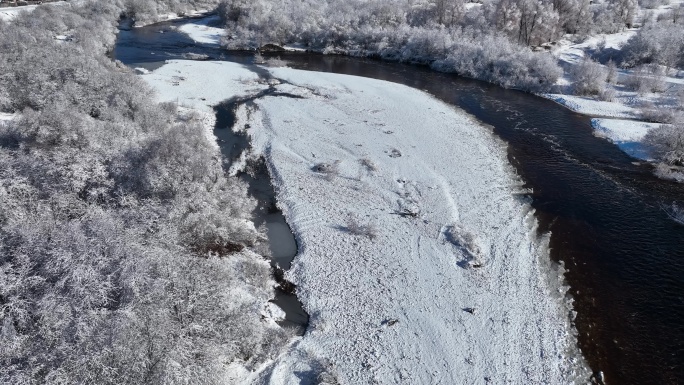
613,16
368,164
668,172
608,94
276,62
611,72
660,114
667,143
495,59
674,16
354,226
660,43
646,79
589,77
436,35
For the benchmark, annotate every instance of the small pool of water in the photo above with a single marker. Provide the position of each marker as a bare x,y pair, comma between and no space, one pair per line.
281,243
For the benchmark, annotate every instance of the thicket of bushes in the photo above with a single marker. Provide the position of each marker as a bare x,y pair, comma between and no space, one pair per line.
666,141
659,43
120,237
667,145
440,33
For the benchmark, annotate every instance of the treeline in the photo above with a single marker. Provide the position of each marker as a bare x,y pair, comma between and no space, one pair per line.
123,247
490,41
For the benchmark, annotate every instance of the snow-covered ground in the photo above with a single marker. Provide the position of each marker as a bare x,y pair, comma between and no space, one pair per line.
191,85
570,52
626,134
7,14
418,260
201,32
625,103
593,107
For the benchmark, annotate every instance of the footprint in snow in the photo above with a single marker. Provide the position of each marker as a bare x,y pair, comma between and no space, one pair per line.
394,153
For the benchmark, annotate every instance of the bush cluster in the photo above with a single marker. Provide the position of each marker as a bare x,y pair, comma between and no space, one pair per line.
121,240
485,42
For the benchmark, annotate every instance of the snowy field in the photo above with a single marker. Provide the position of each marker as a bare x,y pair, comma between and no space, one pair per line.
417,258
7,14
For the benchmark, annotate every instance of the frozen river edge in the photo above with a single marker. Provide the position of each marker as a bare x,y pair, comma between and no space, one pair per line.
418,256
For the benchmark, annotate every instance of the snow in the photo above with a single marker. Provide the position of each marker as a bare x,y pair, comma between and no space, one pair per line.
588,106
191,85
9,14
569,52
626,103
430,194
201,32
627,134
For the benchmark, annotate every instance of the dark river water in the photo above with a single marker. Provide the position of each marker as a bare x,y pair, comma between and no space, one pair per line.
624,257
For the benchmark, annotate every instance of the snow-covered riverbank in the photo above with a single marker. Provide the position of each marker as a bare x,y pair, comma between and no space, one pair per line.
626,134
418,261
625,107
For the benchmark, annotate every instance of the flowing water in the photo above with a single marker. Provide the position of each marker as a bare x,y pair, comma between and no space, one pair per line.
624,257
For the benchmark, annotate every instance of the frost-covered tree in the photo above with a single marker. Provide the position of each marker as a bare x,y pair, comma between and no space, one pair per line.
667,143
530,22
449,12
614,15
661,43
574,16
624,11
589,77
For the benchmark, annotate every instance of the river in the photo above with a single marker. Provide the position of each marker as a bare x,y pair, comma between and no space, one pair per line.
624,257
